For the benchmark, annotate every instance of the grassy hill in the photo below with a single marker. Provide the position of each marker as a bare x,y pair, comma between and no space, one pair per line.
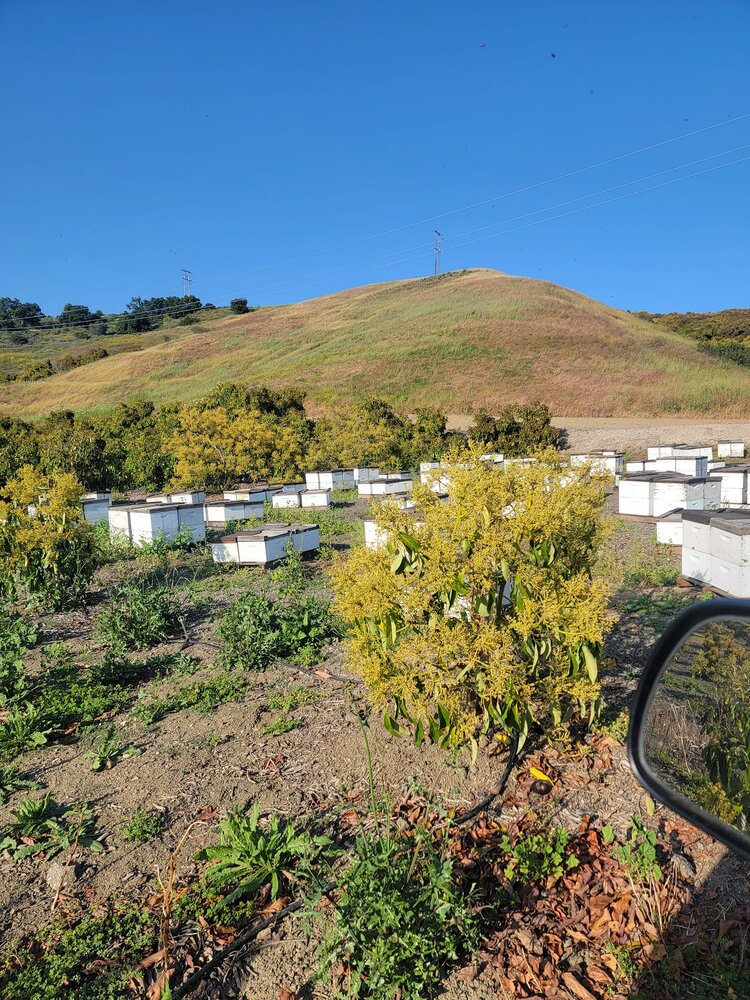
468,338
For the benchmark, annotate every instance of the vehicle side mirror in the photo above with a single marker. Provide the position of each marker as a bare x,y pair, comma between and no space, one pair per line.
689,740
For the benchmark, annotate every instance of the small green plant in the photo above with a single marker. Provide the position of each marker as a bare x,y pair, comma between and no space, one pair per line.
41,827
24,728
250,855
288,575
11,781
295,697
144,825
278,727
638,853
60,963
249,633
136,617
537,857
399,918
105,754
614,726
17,635
202,696
305,626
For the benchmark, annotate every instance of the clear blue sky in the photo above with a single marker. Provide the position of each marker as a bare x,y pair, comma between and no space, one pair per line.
143,137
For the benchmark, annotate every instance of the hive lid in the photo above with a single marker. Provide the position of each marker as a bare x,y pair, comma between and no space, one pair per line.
671,515
735,526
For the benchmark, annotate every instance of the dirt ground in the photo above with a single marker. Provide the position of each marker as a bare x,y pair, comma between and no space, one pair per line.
194,767
633,434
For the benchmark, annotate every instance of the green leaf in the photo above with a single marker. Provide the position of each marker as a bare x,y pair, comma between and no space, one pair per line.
592,667
608,834
391,725
419,735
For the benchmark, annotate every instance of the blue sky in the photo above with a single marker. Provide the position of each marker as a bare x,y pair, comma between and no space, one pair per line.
242,139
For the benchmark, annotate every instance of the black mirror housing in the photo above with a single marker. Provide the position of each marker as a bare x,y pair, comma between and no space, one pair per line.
684,625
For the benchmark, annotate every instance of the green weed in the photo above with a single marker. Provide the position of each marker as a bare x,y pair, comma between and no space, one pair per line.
136,617
250,856
144,825
202,696
537,857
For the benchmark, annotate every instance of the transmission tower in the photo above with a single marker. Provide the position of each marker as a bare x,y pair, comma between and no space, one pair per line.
187,280
437,250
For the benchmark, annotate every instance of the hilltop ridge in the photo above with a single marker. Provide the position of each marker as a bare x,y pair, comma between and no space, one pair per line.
459,340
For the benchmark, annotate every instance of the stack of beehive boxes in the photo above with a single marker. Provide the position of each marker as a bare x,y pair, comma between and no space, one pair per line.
716,550
157,520
652,494
603,460
269,544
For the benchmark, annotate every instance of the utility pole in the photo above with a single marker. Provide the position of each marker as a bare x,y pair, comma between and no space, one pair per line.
437,250
186,282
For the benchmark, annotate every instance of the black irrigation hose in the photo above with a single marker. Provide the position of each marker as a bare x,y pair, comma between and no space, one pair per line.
252,932
242,939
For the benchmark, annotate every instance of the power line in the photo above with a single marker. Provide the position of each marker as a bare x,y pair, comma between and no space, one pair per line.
178,309
488,201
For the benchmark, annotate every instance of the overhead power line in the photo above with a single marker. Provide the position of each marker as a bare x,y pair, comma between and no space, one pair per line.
488,201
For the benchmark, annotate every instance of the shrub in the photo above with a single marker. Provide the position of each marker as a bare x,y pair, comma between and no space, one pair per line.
484,613
44,542
517,430
137,617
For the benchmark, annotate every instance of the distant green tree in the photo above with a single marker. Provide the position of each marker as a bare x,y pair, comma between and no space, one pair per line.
149,314
77,315
19,315
239,306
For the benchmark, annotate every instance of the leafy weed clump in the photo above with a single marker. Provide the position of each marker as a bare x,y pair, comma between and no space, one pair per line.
201,696
144,825
137,617
250,856
255,631
399,919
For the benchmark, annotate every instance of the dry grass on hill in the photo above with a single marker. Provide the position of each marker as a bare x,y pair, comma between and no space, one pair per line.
465,339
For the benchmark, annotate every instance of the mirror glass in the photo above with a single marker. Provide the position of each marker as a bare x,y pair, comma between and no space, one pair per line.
696,737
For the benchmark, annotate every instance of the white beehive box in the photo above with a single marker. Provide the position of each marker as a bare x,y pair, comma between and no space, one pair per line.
158,498
119,522
730,540
691,465
667,494
669,528
660,450
731,449
696,565
153,522
316,498
282,500
386,486
365,473
635,467
191,517
222,511
733,484
253,494
333,479
693,451
696,530
292,487
96,507
605,461
375,537
426,471
188,496
226,550
256,548
634,495
716,464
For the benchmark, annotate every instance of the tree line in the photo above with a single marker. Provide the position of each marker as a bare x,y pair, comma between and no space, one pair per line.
237,433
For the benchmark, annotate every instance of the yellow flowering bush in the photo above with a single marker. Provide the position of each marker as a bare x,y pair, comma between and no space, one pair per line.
45,544
482,611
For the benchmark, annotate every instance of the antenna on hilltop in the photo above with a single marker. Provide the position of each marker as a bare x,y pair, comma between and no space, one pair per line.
437,250
186,282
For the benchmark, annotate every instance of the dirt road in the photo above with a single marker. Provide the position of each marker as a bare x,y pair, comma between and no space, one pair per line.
633,434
